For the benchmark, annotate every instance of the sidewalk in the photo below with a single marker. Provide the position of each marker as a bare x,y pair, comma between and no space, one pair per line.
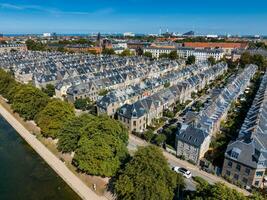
58,166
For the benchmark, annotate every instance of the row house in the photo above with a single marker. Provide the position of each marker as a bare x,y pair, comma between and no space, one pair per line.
245,159
150,86
207,122
162,100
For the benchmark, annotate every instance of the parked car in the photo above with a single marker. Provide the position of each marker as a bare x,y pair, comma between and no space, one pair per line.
186,173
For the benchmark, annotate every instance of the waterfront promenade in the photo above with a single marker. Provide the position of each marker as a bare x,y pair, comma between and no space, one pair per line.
57,165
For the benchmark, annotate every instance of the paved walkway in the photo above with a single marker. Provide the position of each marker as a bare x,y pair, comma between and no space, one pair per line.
59,167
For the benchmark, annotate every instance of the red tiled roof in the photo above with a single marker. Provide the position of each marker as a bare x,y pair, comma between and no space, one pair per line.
216,45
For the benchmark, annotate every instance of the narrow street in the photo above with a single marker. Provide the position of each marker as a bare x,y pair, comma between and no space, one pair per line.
135,142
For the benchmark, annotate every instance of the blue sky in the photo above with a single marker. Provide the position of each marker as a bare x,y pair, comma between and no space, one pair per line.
140,16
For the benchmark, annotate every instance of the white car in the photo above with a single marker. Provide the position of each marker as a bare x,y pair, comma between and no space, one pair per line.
186,173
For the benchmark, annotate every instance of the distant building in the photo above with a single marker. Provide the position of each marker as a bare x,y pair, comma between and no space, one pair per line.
200,54
46,34
190,33
227,47
5,48
128,34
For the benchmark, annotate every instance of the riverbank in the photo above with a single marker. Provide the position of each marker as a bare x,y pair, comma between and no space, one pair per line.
55,163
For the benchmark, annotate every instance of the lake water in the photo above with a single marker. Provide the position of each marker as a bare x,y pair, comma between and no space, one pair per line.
24,175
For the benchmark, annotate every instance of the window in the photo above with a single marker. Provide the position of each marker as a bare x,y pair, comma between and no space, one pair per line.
245,180
257,183
228,173
238,167
230,164
247,171
259,173
236,176
134,123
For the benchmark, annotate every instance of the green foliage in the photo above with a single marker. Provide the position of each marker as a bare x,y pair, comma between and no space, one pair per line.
168,113
103,92
107,51
126,52
53,117
148,54
49,90
28,101
257,59
101,147
159,139
148,135
71,133
163,55
7,82
173,55
100,154
191,60
147,176
211,60
205,191
167,84
35,46
83,104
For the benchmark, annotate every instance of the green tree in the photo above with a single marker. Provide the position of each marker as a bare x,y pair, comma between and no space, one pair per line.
70,134
126,52
103,92
211,60
259,60
214,192
49,90
148,54
245,59
163,55
100,154
7,82
147,176
35,45
159,139
83,104
54,116
167,84
108,51
173,55
28,101
102,147
148,135
191,60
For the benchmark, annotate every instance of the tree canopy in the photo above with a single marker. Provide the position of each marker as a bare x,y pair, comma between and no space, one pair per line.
108,51
148,54
191,60
49,90
28,101
211,60
173,55
205,191
126,52
52,118
99,143
147,176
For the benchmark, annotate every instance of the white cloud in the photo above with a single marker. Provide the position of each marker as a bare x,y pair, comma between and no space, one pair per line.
55,11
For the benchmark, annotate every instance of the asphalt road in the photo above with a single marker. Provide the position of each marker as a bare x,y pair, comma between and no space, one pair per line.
134,142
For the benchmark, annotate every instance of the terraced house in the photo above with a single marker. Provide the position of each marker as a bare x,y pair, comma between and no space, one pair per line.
138,115
149,86
246,158
193,141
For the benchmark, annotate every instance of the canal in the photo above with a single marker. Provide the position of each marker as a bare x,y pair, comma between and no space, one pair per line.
23,173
